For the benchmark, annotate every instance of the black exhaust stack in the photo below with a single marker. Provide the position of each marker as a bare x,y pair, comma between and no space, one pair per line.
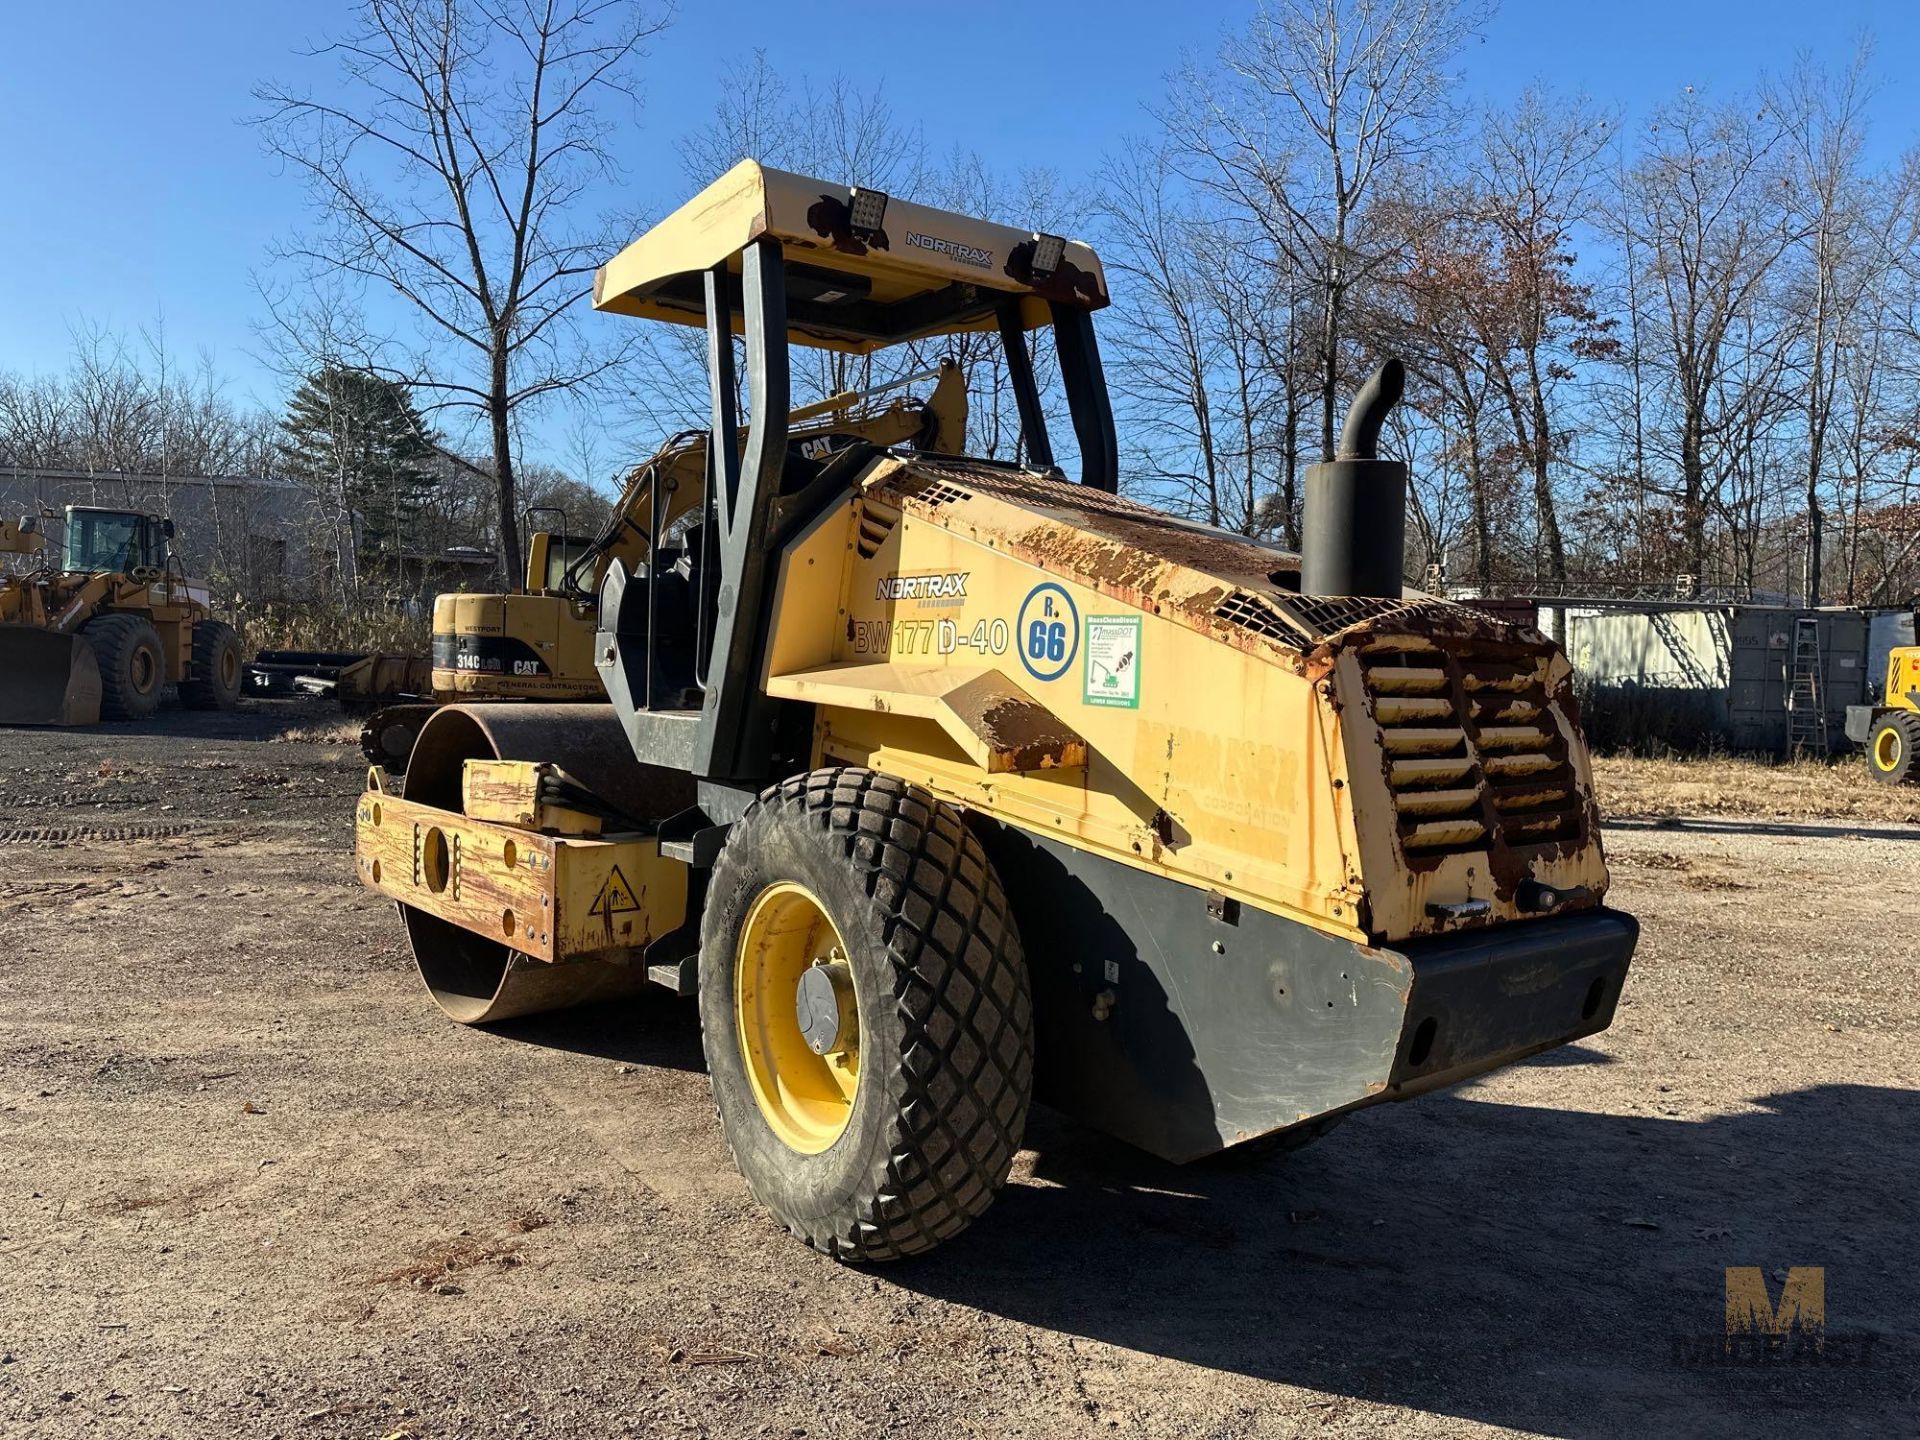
1353,539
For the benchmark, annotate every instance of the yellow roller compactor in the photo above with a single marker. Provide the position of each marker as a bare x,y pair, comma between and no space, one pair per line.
947,784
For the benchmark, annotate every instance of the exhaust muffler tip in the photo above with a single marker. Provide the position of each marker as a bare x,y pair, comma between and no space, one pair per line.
1360,436
1353,539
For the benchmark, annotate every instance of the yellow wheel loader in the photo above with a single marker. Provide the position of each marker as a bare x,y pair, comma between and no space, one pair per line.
538,643
99,630
1891,730
947,784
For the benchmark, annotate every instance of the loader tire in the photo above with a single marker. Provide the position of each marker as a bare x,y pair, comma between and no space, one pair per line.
900,1138
214,681
133,666
1893,750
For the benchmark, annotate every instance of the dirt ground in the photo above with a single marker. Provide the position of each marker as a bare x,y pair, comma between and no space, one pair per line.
251,1184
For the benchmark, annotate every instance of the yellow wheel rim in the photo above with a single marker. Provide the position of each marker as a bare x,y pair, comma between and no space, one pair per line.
806,1097
1886,748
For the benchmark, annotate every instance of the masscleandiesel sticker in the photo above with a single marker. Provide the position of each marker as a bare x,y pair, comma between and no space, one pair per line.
1113,661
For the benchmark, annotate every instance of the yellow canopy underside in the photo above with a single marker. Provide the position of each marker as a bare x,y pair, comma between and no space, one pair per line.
926,272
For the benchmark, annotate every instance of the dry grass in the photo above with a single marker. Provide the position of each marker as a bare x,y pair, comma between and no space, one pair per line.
370,624
1762,789
321,732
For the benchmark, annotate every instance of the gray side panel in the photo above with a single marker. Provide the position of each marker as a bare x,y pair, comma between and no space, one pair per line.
1848,678
1185,1027
1147,1031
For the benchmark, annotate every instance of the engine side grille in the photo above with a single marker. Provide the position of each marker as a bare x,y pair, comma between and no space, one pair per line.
875,525
1306,620
1473,756
1256,613
1324,615
929,490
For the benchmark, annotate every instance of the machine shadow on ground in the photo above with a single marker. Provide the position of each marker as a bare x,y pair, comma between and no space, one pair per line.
1552,1270
1450,1256
653,1028
254,720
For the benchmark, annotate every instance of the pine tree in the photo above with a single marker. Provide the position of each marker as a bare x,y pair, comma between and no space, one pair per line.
359,437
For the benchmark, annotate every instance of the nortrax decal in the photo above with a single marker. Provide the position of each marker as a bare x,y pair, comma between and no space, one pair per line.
952,249
949,586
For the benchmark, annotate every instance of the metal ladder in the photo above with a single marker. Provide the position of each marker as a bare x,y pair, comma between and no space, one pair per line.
1806,698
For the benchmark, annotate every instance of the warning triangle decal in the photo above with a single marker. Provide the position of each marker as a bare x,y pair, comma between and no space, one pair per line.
615,897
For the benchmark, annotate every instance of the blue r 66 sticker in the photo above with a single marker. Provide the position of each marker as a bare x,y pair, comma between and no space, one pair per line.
1047,631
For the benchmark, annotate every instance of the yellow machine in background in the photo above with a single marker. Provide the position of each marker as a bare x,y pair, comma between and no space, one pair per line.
98,631
538,643
1890,730
946,783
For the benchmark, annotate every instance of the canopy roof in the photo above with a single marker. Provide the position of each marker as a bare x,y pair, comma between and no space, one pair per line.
923,272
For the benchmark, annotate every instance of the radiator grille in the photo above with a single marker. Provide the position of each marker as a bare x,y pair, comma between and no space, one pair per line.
1473,755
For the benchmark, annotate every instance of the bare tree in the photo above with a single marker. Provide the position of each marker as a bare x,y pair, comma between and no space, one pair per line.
1705,203
1167,346
1840,259
1317,104
451,168
1536,175
1445,301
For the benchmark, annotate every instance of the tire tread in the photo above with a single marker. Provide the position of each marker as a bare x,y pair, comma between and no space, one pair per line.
113,636
964,1077
202,689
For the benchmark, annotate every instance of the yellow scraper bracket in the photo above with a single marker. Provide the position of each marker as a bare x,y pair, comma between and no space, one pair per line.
555,898
1000,727
509,792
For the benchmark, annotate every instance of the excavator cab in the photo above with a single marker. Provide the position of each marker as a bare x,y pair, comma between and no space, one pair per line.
552,555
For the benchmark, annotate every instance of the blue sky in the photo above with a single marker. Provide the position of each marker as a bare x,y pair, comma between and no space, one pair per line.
134,192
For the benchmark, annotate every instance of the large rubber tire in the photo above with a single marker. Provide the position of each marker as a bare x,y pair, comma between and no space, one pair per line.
133,665
1893,750
213,682
941,994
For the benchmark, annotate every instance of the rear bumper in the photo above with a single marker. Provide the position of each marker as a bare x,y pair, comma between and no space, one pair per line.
1185,1029
1484,999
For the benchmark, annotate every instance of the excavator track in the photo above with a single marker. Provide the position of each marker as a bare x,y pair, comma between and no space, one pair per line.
387,737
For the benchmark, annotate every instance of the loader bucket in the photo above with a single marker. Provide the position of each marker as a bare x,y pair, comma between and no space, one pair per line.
47,678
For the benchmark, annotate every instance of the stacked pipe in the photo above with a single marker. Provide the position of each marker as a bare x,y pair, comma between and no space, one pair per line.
1353,537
